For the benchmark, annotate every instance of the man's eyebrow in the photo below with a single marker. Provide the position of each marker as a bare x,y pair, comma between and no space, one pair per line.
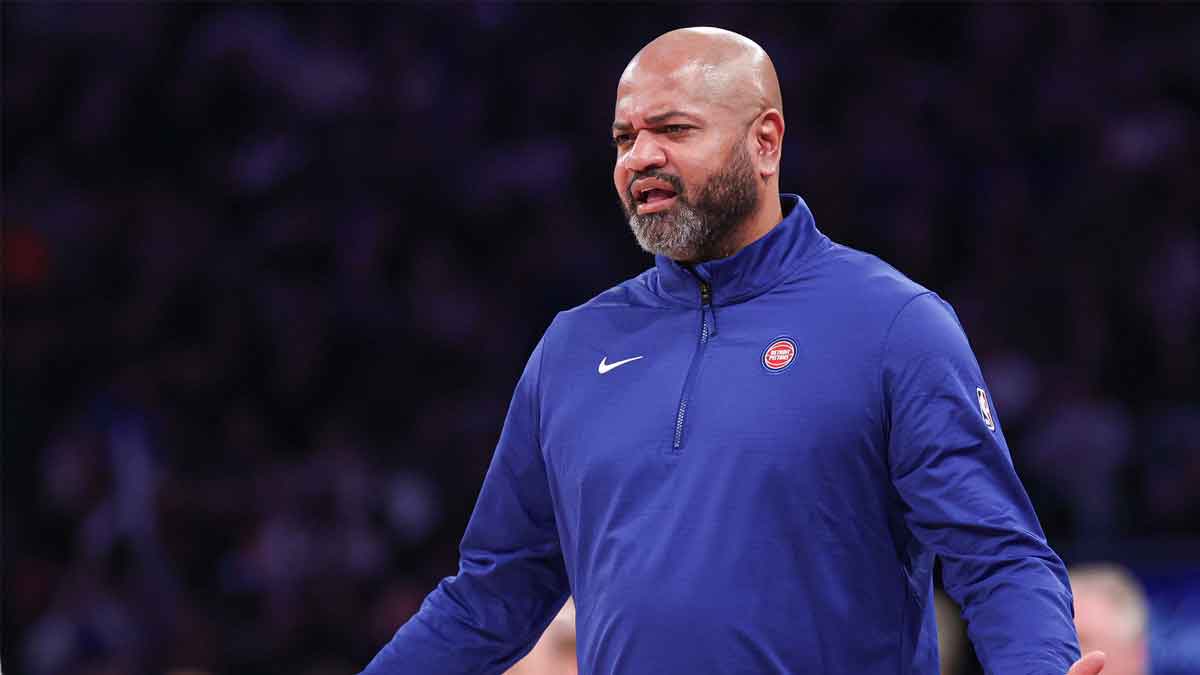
652,121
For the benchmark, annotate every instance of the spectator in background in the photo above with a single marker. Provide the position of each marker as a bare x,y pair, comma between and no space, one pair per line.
554,653
1111,615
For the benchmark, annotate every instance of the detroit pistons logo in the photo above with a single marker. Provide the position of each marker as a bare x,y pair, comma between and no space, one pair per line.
779,354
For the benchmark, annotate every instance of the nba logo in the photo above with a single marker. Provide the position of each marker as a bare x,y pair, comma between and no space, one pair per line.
985,409
779,354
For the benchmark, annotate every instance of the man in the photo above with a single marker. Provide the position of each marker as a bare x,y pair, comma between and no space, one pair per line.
745,459
1111,613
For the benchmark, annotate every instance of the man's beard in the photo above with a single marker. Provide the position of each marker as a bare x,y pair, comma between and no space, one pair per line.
695,231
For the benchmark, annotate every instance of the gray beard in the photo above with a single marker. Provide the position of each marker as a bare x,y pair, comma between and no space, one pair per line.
679,234
696,232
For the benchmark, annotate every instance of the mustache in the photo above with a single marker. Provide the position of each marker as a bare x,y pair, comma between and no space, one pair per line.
675,181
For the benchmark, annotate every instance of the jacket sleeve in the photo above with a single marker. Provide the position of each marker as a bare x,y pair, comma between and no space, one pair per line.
963,501
511,578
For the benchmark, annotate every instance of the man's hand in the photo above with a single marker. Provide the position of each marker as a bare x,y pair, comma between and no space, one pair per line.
1090,664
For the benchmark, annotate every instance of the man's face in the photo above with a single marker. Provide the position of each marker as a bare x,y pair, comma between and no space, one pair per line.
683,170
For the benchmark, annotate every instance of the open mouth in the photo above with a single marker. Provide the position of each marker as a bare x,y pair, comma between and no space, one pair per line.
651,195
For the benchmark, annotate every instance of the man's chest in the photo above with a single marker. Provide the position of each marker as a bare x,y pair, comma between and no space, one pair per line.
672,389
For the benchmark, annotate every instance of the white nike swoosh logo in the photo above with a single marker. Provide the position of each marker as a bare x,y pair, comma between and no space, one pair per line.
605,367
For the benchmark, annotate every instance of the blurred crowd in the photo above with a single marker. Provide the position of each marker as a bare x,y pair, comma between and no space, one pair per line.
271,272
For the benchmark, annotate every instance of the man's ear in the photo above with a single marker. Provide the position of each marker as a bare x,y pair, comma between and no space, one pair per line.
767,142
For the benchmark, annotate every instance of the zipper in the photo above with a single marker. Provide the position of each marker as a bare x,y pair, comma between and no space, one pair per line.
708,328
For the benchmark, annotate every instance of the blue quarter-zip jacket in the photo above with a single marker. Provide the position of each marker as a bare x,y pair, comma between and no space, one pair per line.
716,506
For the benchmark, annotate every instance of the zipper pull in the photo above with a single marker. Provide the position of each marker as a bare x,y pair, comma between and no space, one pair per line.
709,316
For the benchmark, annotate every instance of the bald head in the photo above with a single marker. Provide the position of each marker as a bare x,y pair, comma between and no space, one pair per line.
721,66
698,128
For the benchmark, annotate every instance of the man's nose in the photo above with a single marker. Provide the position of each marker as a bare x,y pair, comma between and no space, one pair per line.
645,154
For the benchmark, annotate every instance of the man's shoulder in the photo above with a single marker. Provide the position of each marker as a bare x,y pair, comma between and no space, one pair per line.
614,306
861,277
617,308
635,292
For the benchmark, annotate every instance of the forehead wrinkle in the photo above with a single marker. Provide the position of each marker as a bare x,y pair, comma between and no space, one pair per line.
693,82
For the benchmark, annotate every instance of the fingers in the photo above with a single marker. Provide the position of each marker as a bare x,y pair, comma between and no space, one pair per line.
1091,664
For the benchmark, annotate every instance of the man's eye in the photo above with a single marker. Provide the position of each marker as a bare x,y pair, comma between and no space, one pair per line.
622,140
675,128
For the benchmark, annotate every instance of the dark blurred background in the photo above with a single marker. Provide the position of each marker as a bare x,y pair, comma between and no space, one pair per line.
271,273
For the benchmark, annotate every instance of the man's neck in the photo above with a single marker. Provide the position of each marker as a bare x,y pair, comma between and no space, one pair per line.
768,214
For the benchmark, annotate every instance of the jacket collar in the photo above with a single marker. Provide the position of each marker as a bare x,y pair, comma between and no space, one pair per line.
751,271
